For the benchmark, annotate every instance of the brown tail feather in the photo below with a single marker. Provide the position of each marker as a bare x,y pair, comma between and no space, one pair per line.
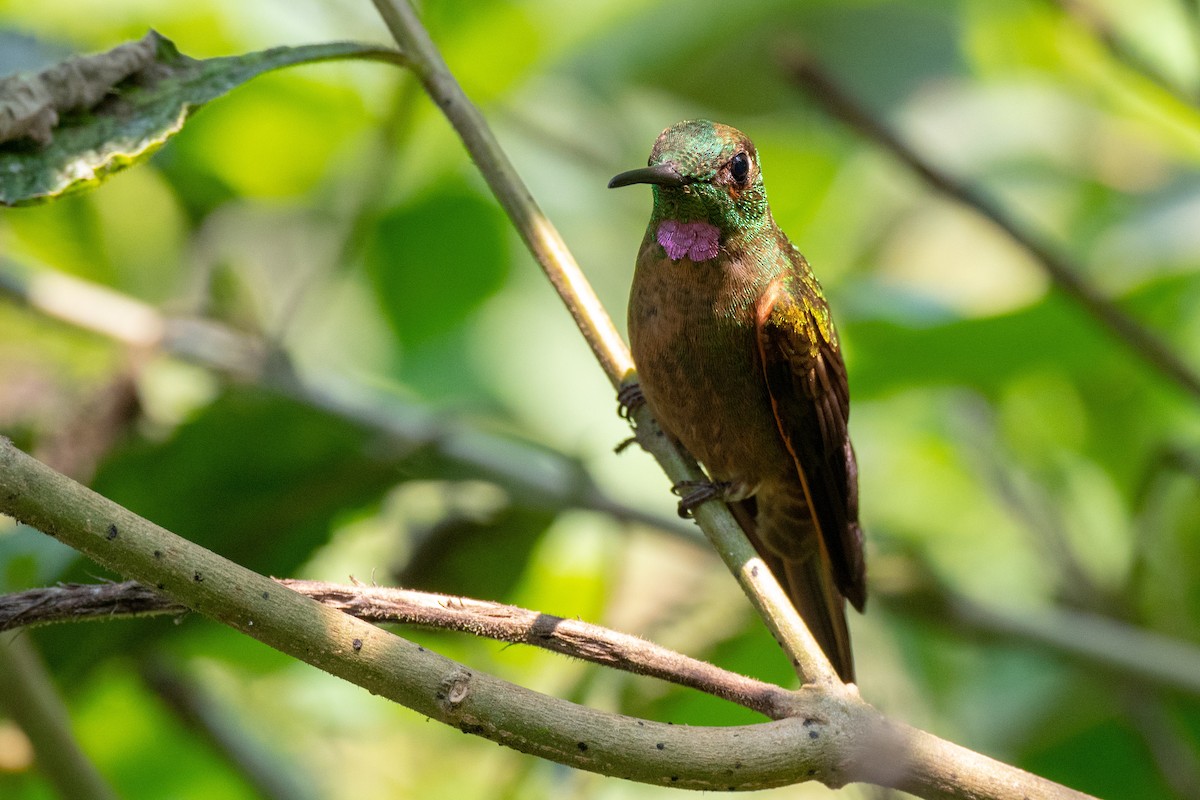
809,585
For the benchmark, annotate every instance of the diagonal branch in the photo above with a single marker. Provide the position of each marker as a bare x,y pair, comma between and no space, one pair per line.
1139,656
1149,346
552,255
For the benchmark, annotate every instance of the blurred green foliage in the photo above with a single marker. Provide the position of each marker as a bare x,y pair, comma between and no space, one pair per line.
1010,450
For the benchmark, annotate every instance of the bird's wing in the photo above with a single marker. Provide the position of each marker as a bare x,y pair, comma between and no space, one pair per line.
805,375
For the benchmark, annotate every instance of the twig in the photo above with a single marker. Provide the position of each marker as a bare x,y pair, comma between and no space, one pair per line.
1139,655
1061,270
594,323
834,737
377,604
31,700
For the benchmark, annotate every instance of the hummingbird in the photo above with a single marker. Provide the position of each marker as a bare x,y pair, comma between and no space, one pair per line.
738,359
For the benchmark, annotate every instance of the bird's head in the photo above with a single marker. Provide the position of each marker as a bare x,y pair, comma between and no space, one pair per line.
703,171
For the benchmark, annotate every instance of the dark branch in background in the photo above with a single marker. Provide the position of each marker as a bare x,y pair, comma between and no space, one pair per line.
212,720
536,475
1067,275
29,697
1092,640
1092,18
504,623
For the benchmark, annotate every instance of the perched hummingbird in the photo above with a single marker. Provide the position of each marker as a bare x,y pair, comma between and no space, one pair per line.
738,359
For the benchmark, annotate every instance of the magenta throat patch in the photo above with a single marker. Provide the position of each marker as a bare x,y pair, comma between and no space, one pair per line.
699,241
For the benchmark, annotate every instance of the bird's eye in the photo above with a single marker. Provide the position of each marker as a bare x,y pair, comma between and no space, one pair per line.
739,167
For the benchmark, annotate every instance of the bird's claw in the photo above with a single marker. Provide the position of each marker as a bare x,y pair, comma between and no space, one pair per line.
629,398
693,493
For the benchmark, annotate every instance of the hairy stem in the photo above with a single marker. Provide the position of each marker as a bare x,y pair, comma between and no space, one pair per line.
378,604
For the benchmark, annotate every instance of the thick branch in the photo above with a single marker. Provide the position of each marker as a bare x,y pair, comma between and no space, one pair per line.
377,604
1062,271
835,737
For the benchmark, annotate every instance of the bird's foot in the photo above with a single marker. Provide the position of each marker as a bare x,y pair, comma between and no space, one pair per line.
629,398
694,493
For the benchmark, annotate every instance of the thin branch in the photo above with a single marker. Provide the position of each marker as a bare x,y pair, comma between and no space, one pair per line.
81,602
1027,500
835,737
30,698
379,605
540,235
594,323
1094,641
1062,271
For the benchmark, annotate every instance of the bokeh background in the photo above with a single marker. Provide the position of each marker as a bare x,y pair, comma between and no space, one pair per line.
451,431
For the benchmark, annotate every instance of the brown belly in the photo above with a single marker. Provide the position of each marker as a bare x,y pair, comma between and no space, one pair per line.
697,360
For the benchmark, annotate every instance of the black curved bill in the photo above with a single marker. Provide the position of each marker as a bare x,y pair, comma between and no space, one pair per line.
664,174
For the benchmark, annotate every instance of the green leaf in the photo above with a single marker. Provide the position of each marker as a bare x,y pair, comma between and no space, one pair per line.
1085,744
435,261
134,115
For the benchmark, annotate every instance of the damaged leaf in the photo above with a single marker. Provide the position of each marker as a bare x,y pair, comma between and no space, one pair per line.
70,126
